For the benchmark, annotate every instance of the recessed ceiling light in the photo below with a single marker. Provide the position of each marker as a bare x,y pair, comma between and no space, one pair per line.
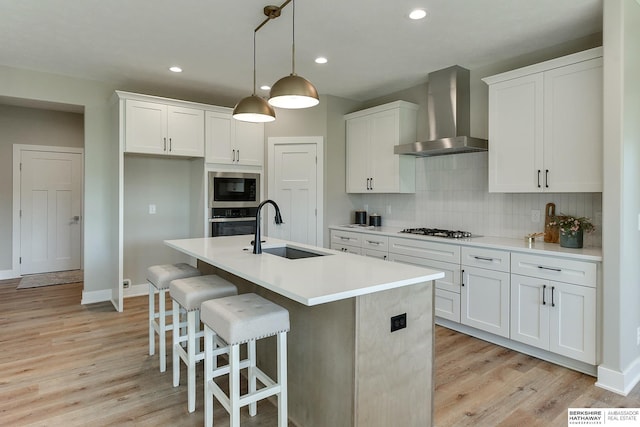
321,60
417,14
175,69
265,87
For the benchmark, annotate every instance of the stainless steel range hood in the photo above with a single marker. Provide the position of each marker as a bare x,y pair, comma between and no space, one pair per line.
448,115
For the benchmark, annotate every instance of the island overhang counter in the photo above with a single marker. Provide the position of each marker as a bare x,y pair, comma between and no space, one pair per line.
346,367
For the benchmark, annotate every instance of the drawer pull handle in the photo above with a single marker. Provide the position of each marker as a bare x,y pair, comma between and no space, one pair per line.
549,268
544,291
483,258
553,304
343,238
374,243
462,281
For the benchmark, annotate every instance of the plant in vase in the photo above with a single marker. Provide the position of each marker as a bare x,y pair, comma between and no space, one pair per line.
572,229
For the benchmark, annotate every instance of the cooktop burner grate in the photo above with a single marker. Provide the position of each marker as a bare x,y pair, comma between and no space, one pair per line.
437,232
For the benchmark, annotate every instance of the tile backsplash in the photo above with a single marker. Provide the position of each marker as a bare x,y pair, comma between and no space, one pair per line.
452,193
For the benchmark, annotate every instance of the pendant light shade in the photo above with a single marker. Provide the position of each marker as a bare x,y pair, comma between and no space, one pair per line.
293,91
254,109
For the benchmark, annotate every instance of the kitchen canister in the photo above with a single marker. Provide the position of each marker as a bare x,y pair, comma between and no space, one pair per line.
375,220
361,217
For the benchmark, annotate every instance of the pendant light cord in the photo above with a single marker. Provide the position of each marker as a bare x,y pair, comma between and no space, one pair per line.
254,63
293,41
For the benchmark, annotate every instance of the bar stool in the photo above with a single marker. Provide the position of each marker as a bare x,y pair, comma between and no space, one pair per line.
188,294
229,322
159,277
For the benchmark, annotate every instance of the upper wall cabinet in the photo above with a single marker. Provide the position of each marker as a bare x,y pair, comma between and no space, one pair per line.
233,142
545,126
156,127
372,167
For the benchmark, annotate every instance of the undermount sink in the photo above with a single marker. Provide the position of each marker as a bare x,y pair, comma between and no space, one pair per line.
291,252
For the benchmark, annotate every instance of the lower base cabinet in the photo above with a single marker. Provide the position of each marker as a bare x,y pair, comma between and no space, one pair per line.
484,298
554,316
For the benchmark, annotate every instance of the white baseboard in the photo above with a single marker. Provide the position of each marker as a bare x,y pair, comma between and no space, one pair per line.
136,290
619,382
92,297
9,274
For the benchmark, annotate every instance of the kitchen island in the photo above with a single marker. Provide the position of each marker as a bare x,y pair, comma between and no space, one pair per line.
346,367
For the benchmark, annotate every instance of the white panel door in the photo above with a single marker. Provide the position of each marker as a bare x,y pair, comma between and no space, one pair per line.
573,321
384,164
485,300
530,306
295,192
249,143
219,138
51,209
185,127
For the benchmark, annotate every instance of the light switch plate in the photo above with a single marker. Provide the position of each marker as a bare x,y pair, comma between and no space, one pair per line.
152,209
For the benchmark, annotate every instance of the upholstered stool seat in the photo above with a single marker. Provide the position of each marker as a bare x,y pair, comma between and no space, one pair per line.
159,277
188,294
228,323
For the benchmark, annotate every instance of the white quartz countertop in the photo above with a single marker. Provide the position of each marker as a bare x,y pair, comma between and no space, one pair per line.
504,243
309,281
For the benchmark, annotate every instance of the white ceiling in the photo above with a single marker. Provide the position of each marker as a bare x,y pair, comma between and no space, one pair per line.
372,46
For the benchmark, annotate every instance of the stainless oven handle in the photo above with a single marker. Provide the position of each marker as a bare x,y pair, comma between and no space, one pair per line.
251,218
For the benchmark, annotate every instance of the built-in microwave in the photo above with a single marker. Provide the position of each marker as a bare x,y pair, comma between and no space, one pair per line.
234,189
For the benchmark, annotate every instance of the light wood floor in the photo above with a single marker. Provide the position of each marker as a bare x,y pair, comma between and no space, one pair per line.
62,363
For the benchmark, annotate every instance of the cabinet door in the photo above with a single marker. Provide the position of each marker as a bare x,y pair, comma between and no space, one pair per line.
358,147
447,305
346,248
573,127
451,280
249,143
530,311
145,127
573,321
185,129
218,137
485,300
383,164
374,254
515,135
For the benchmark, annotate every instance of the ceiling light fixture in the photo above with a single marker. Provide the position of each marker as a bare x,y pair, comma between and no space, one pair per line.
293,91
254,108
175,69
321,60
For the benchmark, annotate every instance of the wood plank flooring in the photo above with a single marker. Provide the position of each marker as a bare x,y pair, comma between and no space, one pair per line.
62,363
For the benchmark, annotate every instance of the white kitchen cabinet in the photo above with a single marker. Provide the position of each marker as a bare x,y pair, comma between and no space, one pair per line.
157,128
437,256
549,313
545,126
371,134
371,245
484,292
232,142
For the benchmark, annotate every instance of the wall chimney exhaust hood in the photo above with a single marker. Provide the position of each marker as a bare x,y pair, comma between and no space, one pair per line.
448,115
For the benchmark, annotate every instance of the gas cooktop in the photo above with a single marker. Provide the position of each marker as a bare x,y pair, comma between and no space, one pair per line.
437,232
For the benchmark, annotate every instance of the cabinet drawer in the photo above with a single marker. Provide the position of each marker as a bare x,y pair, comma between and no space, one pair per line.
562,270
447,305
346,238
346,248
425,249
374,254
374,242
491,259
451,280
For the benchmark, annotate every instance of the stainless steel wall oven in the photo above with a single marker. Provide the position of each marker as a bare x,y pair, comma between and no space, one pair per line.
233,202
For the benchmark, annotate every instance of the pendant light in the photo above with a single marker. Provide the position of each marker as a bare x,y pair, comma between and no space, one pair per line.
254,108
293,91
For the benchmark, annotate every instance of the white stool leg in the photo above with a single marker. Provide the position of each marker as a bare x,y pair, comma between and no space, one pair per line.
162,342
152,332
251,374
191,359
209,346
175,342
234,385
282,379
197,330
